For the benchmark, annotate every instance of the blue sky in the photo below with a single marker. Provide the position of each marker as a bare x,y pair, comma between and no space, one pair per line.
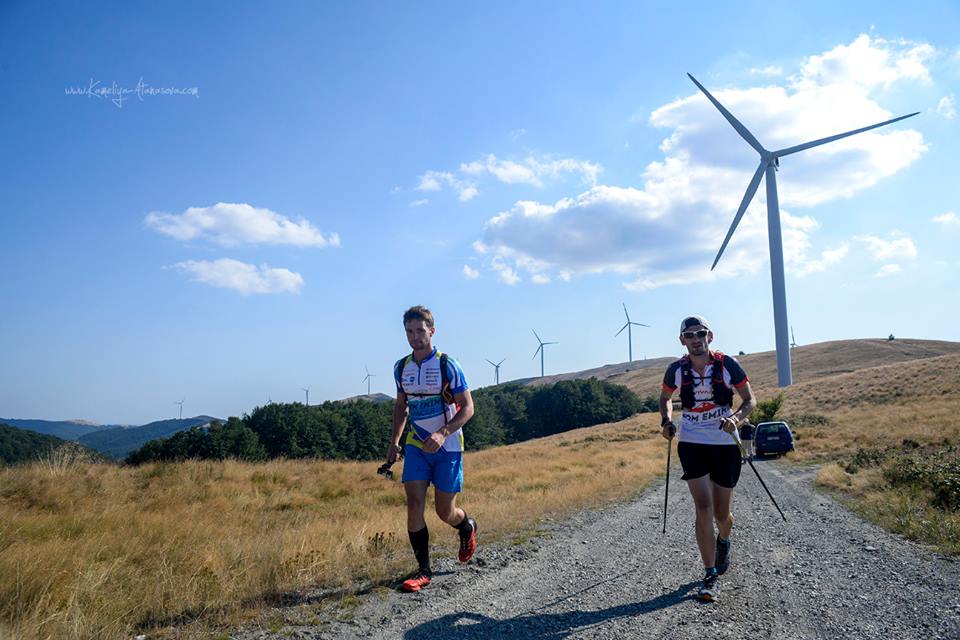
323,166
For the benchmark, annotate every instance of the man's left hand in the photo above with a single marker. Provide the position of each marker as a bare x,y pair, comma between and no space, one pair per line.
434,442
728,424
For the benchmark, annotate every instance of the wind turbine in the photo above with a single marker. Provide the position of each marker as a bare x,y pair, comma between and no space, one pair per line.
793,341
367,379
181,407
769,161
540,350
307,391
629,330
496,369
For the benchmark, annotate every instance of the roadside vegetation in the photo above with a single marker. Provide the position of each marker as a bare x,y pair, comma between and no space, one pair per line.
505,414
171,548
107,551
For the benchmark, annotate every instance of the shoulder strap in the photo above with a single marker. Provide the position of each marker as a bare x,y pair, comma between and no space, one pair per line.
398,368
445,392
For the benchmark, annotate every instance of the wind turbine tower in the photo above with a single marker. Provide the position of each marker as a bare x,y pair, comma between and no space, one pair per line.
181,407
306,390
769,162
367,379
496,370
540,350
629,331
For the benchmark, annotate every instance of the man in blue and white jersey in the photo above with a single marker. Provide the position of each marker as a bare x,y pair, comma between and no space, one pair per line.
432,391
710,458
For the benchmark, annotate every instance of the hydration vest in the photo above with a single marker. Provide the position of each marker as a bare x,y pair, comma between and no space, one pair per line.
445,394
722,395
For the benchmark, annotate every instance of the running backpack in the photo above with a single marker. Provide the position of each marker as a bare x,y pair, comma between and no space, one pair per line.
722,395
445,394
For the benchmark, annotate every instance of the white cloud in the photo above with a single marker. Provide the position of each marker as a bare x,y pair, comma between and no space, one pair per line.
531,170
868,62
827,258
506,274
435,180
897,248
420,203
539,278
517,133
467,193
470,273
947,108
888,270
242,277
235,224
668,230
948,218
770,70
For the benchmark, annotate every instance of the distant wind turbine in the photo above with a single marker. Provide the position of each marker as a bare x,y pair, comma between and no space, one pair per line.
793,341
629,331
307,391
367,379
181,407
496,370
540,350
769,162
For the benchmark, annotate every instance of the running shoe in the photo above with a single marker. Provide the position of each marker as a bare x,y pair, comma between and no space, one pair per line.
468,542
710,589
417,582
723,555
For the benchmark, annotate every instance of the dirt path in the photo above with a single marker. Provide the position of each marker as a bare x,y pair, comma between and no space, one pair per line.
823,574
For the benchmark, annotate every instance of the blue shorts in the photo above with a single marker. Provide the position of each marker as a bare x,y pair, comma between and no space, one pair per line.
443,468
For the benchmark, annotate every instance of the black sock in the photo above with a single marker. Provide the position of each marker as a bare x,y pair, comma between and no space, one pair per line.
420,541
710,571
464,527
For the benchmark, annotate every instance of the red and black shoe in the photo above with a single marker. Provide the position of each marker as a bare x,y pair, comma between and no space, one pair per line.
417,582
468,542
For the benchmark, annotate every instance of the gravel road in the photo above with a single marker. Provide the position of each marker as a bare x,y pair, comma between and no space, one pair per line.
824,573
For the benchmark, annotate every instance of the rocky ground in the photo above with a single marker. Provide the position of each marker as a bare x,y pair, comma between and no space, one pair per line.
824,573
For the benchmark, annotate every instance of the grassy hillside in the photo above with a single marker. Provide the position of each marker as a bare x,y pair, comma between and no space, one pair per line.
811,363
19,445
64,429
119,442
106,551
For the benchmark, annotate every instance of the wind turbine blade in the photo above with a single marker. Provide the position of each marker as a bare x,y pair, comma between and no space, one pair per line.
490,362
621,330
742,130
538,337
551,343
747,197
501,362
625,311
815,143
537,351
640,324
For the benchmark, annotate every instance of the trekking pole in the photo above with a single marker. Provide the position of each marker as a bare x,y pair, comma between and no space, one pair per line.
736,437
666,493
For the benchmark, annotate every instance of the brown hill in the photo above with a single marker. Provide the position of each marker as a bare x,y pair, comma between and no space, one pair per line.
810,362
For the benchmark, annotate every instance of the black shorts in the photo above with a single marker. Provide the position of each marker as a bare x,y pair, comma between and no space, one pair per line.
721,461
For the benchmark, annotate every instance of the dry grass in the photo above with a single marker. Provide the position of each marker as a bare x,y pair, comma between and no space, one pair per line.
103,551
92,550
907,512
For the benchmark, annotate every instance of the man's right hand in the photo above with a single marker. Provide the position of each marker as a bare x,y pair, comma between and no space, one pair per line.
392,452
669,430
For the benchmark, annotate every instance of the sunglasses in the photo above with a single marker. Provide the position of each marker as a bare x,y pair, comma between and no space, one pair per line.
690,335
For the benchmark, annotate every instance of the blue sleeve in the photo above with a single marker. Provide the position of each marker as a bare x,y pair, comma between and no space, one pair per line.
397,370
738,377
458,381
